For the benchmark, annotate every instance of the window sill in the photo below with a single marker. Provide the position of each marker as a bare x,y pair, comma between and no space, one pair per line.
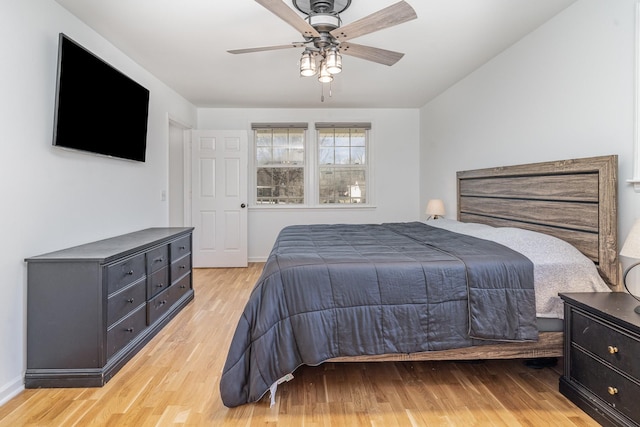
331,206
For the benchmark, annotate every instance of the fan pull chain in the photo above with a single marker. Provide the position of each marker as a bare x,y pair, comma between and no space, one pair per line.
322,91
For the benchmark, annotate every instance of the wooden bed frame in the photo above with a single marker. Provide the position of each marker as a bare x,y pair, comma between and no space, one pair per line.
574,200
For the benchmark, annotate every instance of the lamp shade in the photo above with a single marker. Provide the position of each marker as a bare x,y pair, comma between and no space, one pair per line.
435,208
631,247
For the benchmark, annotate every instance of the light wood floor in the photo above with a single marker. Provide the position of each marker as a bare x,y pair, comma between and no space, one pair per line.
174,381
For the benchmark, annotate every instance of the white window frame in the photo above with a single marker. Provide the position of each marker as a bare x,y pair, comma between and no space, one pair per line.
254,164
311,167
367,165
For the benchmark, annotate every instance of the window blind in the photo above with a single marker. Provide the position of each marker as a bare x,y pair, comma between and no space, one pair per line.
285,125
343,125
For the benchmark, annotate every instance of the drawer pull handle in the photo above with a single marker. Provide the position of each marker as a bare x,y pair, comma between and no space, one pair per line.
131,330
159,285
612,349
182,267
182,248
130,300
130,272
159,259
183,286
612,390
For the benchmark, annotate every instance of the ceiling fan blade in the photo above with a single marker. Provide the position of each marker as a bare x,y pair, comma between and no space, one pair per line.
395,14
266,48
381,56
284,12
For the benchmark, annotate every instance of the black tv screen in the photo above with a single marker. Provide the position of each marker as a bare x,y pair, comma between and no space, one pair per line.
98,109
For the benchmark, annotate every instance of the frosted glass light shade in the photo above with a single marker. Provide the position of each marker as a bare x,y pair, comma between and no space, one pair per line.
334,61
307,65
325,76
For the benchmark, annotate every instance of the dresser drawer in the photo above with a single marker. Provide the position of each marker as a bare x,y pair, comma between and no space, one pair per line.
163,302
180,267
603,381
157,282
180,247
157,258
158,306
125,272
613,346
124,331
181,287
126,300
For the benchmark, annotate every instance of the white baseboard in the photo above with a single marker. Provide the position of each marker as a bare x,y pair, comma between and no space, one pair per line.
258,259
11,390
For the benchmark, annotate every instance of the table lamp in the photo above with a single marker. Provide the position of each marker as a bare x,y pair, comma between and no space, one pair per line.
435,209
631,249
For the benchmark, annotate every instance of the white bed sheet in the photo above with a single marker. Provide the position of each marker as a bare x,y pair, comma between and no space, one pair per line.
557,265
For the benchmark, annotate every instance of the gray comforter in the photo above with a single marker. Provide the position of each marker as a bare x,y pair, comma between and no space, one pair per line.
343,290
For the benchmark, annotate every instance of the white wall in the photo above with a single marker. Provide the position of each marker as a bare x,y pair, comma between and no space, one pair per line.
564,91
395,147
53,198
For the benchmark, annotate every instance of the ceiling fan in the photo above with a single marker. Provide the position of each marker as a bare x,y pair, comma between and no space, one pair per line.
325,38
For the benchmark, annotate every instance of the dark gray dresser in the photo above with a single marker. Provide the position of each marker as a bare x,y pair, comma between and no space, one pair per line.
92,307
602,356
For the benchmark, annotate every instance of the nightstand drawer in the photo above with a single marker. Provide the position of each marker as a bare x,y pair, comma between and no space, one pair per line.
613,346
616,390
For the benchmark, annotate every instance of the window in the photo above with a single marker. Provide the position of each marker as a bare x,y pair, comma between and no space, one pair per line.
331,169
280,161
342,163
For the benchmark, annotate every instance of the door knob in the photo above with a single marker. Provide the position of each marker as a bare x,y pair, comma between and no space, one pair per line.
243,206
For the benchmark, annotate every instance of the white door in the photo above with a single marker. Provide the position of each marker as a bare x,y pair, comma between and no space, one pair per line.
219,198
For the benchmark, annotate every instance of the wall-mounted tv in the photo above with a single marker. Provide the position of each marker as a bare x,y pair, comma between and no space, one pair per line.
98,109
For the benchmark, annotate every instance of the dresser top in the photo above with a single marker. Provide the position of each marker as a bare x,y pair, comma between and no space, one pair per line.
115,247
615,307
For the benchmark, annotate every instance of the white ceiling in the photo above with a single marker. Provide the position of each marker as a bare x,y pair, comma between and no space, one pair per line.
184,43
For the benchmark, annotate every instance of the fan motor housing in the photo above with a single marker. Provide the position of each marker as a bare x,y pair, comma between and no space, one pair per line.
323,22
322,5
309,7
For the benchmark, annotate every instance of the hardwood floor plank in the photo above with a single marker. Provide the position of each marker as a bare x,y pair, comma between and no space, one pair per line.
174,381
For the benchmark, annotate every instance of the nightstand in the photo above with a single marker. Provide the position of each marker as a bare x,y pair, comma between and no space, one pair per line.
602,356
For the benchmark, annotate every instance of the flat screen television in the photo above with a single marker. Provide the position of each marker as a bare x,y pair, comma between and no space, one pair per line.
98,109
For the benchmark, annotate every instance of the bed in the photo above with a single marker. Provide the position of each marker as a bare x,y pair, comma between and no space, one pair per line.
428,291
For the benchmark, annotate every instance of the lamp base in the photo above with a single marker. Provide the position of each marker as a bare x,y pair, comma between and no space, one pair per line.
624,281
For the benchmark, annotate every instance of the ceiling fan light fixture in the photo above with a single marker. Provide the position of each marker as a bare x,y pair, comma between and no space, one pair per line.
325,76
308,66
325,37
334,61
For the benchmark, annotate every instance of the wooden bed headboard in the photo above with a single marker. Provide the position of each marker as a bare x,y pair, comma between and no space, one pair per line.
574,200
